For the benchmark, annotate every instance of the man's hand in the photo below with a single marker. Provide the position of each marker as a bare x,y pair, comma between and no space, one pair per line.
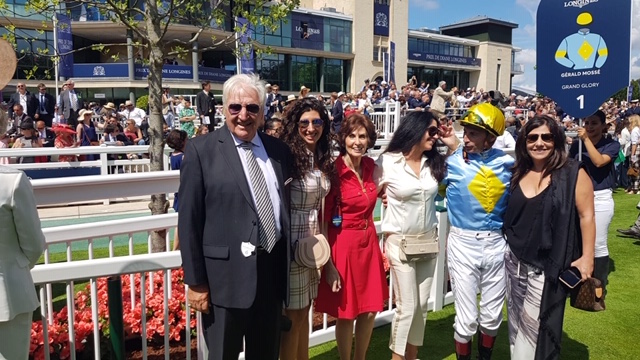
198,298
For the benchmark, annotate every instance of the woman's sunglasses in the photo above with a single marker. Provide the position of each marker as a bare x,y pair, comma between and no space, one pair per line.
433,131
548,138
234,109
317,123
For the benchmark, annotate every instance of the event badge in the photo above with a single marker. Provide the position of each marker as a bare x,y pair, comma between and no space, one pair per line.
247,248
336,220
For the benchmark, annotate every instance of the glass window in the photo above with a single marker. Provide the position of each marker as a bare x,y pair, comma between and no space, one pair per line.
272,69
333,74
304,71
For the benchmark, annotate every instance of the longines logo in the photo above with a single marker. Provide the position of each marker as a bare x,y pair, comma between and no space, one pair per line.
98,71
579,3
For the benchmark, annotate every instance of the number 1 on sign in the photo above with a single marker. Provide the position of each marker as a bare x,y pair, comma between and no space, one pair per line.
581,99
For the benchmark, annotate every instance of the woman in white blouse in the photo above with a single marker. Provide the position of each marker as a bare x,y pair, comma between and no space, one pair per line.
410,170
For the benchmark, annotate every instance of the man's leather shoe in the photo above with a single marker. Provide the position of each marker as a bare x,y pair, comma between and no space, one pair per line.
632,232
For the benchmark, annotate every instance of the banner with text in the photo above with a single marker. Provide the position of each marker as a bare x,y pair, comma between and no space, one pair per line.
582,59
380,19
64,46
245,47
307,31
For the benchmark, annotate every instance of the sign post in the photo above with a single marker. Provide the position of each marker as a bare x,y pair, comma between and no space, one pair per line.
583,52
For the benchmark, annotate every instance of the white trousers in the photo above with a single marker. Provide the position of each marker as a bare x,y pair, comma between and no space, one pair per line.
476,263
411,286
603,206
15,336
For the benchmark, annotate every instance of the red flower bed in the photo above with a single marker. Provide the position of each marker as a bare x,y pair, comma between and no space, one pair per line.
58,342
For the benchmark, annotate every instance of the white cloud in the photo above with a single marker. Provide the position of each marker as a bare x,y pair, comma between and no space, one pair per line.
531,6
526,57
426,4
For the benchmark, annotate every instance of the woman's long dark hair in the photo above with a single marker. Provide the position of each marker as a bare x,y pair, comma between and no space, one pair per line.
291,136
410,132
523,164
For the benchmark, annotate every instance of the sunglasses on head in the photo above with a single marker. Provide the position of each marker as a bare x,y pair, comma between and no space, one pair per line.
234,109
305,123
433,131
547,137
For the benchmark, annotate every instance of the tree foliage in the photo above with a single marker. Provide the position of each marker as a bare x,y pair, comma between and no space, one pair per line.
150,21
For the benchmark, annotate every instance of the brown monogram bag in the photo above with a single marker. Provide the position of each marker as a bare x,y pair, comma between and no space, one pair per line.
588,296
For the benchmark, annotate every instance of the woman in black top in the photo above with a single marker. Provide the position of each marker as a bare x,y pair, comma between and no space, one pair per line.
549,226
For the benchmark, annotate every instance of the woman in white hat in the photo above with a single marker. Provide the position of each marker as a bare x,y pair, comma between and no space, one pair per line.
86,132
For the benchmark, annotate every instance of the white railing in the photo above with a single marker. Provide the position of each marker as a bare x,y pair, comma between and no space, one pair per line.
64,239
386,122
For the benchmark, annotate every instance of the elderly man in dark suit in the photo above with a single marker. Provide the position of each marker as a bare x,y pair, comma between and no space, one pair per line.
234,227
70,104
46,105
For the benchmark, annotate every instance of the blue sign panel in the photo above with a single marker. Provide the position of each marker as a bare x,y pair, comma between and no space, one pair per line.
392,61
246,49
64,46
101,70
447,59
307,31
380,19
185,73
385,66
582,59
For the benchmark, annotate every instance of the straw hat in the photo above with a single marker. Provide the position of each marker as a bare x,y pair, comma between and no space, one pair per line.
8,61
83,112
290,98
109,106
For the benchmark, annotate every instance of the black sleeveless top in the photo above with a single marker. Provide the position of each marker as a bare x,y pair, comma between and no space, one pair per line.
523,226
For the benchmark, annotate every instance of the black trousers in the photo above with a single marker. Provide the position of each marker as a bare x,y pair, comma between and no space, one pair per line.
601,271
260,324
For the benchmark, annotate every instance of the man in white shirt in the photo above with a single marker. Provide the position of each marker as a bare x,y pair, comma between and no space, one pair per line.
134,113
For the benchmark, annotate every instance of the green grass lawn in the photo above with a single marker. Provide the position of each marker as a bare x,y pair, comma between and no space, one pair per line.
608,335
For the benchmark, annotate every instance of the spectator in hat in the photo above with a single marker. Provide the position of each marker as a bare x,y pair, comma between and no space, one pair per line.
132,112
440,98
86,132
107,110
65,139
29,139
304,91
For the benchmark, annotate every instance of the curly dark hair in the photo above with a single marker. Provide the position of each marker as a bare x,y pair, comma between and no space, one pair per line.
291,136
350,124
177,139
410,132
523,164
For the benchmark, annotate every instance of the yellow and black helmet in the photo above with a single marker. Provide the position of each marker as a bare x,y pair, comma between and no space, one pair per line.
486,117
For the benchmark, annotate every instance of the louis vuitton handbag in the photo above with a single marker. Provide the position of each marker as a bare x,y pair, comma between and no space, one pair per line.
588,296
314,251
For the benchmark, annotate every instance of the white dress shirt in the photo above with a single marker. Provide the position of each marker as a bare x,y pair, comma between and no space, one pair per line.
411,206
23,102
267,169
136,115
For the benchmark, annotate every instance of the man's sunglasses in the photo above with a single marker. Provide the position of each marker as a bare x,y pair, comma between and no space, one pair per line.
547,137
234,109
305,123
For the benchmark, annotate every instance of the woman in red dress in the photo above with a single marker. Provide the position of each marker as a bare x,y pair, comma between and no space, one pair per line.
353,286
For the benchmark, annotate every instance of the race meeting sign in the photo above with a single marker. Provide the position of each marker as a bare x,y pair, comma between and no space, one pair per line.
583,49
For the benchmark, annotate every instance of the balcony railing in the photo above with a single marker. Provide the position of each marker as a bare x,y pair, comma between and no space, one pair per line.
517,68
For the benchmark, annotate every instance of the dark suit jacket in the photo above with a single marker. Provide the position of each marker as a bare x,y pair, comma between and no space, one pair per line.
337,112
66,107
49,138
206,105
49,104
32,104
217,214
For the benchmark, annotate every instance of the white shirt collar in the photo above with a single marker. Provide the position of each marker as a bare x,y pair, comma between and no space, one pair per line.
256,141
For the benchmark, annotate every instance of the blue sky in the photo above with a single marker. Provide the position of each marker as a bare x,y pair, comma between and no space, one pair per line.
435,13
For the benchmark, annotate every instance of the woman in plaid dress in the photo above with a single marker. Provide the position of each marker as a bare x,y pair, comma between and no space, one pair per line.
306,131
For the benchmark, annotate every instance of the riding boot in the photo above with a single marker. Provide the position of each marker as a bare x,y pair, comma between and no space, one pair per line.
485,346
463,350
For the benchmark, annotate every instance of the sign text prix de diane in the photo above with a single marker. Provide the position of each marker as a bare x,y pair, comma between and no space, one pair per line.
583,49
